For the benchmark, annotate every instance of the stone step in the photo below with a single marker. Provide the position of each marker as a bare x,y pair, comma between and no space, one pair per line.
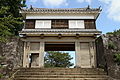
60,79
61,76
58,73
60,69
68,71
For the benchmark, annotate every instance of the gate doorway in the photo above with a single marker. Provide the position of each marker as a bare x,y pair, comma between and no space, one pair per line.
68,48
34,58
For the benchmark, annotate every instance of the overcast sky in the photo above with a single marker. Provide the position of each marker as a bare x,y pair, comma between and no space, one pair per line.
109,19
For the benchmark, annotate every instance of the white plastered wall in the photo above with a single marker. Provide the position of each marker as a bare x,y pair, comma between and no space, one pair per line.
43,24
59,16
76,24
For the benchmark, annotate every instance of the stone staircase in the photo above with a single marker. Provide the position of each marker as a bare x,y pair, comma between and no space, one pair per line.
60,74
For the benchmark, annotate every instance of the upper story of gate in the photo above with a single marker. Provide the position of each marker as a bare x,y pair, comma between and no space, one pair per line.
60,19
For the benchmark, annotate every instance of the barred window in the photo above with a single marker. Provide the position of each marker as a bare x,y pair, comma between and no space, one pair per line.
59,24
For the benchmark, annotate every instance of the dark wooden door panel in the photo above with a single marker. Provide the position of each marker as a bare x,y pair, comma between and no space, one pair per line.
90,24
59,24
30,24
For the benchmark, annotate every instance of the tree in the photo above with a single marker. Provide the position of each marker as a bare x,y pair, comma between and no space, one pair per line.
117,58
115,32
10,19
57,59
7,23
14,6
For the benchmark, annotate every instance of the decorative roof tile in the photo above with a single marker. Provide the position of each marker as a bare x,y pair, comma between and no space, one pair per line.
94,31
87,9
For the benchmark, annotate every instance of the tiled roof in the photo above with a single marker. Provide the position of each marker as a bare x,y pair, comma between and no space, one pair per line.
94,31
87,9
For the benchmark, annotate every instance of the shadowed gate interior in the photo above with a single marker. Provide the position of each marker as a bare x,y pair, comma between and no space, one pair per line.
60,46
34,58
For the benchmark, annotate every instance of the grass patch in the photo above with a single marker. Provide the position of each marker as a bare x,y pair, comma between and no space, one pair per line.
117,58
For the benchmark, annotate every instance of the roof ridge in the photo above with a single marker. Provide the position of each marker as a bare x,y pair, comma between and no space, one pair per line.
61,9
58,8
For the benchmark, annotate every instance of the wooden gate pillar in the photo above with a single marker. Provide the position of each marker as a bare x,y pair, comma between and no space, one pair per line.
41,54
26,54
77,54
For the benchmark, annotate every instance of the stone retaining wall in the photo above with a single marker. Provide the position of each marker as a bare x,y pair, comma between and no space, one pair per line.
105,55
11,54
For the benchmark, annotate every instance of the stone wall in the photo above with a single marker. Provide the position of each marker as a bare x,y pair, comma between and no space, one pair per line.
105,55
11,54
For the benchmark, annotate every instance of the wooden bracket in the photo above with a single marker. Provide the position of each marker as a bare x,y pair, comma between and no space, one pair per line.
59,36
94,35
77,36
24,36
42,36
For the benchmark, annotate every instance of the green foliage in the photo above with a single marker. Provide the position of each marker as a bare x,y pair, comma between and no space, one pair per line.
14,6
7,24
10,19
1,75
111,45
116,32
57,59
1,58
117,58
109,33
101,66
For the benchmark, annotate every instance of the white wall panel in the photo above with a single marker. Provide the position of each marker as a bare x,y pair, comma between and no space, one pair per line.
60,16
47,23
76,24
43,24
39,24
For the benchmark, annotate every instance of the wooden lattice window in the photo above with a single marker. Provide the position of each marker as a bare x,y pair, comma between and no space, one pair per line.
90,24
59,24
30,24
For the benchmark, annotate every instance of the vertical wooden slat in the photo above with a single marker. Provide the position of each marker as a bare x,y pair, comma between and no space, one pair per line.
59,24
30,24
90,24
